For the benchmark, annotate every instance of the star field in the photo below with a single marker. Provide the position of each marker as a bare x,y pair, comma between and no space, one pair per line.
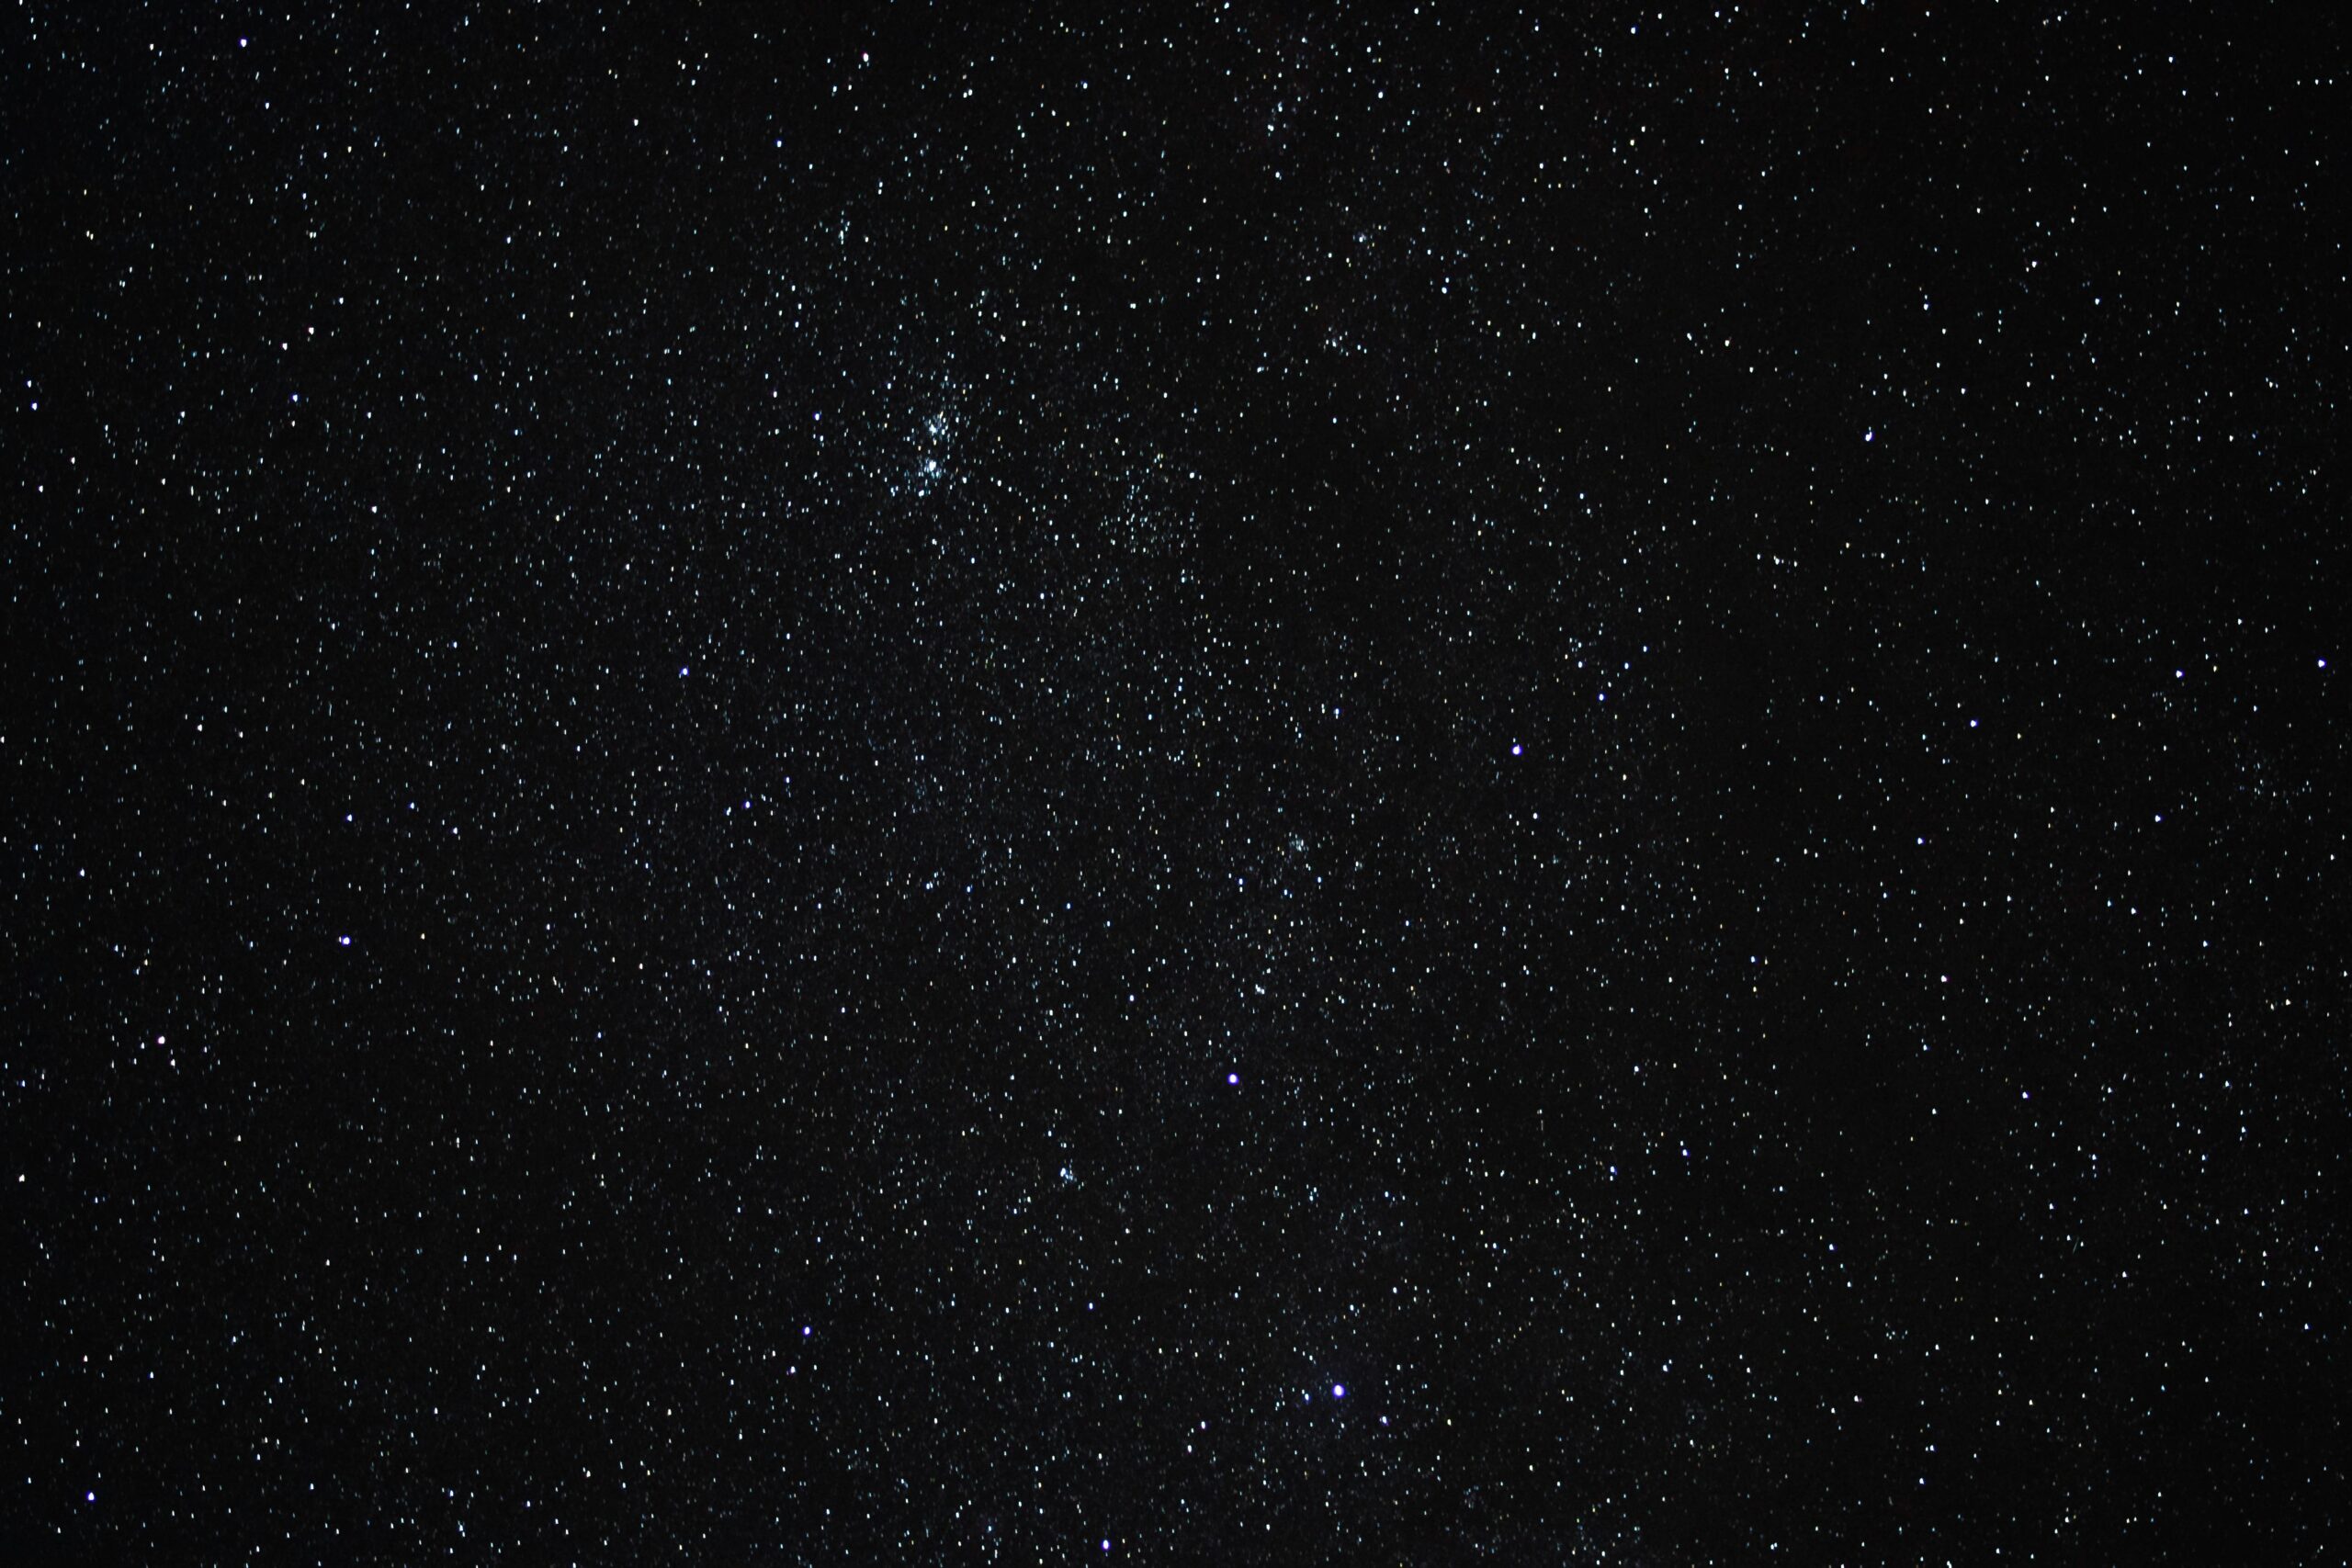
1249,785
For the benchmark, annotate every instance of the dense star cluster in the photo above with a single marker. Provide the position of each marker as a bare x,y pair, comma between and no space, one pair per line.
1223,784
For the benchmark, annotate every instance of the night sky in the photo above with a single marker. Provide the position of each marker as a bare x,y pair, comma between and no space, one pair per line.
1252,784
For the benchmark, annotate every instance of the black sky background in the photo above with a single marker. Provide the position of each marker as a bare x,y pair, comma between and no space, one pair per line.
844,790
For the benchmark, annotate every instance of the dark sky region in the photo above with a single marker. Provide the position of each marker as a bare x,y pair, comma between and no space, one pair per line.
1214,784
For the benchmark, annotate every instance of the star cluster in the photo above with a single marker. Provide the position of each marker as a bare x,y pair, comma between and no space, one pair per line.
1240,786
